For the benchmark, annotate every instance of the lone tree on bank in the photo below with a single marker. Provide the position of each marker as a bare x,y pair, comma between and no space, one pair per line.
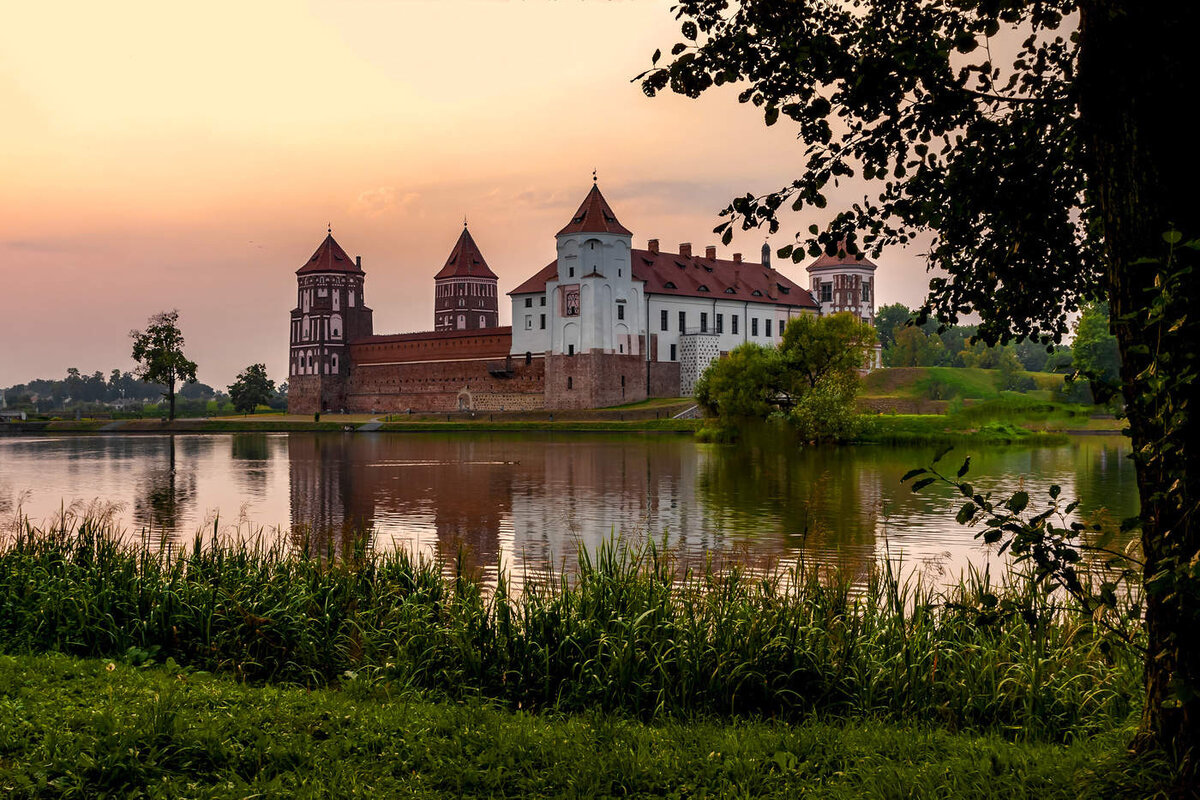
251,389
159,353
1056,175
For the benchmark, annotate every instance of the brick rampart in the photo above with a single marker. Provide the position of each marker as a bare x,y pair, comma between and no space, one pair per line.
594,380
482,385
432,346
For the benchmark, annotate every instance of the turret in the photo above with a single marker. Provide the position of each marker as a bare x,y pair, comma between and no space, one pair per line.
330,313
465,289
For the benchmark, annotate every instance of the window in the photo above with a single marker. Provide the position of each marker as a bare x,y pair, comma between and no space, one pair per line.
703,322
528,358
702,288
720,323
826,292
620,311
663,319
571,272
482,321
669,285
682,321
754,326
333,359
542,322
622,381
866,291
350,299
542,300
672,352
570,382
768,329
733,318
462,321
570,349
529,302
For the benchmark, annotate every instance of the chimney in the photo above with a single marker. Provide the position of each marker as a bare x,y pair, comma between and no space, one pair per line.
652,246
737,258
358,261
685,249
710,253
766,255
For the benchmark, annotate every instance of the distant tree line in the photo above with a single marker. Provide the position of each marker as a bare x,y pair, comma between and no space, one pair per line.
1092,355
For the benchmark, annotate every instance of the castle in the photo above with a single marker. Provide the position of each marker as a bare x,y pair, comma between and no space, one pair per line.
601,325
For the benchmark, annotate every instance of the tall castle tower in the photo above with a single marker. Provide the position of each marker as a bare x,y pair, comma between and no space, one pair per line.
330,313
465,293
845,283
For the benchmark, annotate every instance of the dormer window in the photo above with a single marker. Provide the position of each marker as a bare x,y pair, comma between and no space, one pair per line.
756,293
702,288
669,285
731,290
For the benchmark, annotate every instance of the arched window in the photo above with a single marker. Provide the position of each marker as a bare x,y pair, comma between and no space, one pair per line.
482,321
528,357
462,321
333,360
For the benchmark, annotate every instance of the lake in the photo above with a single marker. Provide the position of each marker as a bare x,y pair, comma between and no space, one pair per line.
528,500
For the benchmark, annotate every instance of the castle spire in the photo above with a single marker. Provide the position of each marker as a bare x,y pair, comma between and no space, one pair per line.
595,215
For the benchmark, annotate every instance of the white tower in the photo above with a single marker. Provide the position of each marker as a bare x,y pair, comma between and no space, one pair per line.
595,305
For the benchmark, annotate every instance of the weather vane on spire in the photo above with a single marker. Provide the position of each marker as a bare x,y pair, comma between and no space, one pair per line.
329,228
593,175
464,220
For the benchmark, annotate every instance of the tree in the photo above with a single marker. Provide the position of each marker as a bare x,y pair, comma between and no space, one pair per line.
1095,355
1046,182
888,319
743,385
251,389
913,347
815,348
159,353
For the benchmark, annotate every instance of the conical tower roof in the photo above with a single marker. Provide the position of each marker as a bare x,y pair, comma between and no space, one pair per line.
465,260
330,257
595,216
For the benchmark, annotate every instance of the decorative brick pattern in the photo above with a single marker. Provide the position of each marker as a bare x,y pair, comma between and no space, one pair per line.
696,352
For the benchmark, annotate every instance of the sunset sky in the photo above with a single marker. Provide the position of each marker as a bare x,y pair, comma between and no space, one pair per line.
157,156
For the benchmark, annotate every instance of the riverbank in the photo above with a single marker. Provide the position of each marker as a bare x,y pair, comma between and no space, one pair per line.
86,726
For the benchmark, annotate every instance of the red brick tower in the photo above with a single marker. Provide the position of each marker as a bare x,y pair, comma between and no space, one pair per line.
465,294
330,313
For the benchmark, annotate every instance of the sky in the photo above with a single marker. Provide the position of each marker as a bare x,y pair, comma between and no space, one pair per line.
189,156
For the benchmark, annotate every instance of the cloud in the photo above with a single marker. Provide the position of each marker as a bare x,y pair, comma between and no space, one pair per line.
383,200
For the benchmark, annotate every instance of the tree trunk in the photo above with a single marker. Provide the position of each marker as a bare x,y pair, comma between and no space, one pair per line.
1135,75
171,399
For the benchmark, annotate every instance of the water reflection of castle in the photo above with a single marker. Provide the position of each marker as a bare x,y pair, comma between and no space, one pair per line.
533,500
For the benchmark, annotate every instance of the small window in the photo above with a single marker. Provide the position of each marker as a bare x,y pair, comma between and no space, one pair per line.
529,302
754,326
720,323
542,300
542,322
620,311
702,288
682,321
866,291
622,381
528,322
703,322
733,324
672,352
731,290
826,292
663,319
570,349
768,324
570,382
528,358
482,321
756,293
571,272
669,285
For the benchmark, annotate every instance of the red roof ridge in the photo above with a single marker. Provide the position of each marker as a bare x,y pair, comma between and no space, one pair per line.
330,257
595,215
465,260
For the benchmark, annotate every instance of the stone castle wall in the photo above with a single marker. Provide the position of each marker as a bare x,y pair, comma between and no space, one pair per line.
447,386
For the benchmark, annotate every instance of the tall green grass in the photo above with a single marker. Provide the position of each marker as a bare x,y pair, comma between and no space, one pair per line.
630,629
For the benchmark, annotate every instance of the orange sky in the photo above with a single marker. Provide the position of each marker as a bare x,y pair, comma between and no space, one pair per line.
160,156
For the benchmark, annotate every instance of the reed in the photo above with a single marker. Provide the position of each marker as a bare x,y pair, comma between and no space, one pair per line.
630,629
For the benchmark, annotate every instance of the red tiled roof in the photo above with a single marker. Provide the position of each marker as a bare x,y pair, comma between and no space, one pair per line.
594,216
711,278
330,257
841,259
465,260
385,338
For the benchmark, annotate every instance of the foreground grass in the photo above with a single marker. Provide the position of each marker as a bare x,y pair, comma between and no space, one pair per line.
71,727
632,631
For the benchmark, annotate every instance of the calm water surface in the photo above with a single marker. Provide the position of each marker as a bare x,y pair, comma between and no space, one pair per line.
529,500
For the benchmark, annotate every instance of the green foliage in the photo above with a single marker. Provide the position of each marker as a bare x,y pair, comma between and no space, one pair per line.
813,375
631,630
890,319
159,353
251,389
744,384
913,347
1095,354
826,413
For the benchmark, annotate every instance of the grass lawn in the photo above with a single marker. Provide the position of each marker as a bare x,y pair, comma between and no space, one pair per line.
91,728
